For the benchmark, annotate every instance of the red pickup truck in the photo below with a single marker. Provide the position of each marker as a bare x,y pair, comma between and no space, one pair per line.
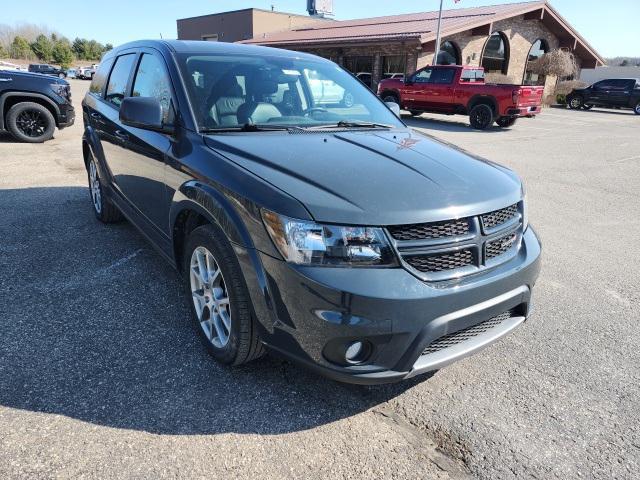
454,89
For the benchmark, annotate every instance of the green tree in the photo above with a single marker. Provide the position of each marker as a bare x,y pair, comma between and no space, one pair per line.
63,53
21,49
108,47
43,48
3,52
80,48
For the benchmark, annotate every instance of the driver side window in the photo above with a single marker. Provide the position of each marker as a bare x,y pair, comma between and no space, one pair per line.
423,76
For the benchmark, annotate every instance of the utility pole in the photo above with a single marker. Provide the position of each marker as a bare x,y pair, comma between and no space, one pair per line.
435,55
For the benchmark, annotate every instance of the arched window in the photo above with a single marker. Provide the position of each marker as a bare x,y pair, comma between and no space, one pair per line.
539,48
449,54
495,57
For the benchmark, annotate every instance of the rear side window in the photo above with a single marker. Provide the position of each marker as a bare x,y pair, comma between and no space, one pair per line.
423,76
152,80
470,76
117,86
442,76
100,78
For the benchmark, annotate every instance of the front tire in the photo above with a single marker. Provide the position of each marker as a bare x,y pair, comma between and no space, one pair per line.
30,122
220,303
636,109
481,117
576,103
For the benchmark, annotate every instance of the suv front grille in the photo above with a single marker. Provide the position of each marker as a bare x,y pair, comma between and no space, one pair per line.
452,339
442,262
423,231
449,249
498,217
500,246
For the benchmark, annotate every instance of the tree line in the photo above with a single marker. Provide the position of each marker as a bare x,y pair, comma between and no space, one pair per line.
31,42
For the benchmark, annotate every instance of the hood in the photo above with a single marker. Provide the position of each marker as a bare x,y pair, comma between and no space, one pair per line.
32,76
373,177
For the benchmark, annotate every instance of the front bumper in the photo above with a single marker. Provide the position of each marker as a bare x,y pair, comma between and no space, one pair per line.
67,116
316,312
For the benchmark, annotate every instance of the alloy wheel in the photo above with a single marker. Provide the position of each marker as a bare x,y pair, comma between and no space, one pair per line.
94,185
576,103
32,123
210,297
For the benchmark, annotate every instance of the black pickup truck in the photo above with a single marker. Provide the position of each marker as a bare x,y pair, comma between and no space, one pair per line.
615,92
33,105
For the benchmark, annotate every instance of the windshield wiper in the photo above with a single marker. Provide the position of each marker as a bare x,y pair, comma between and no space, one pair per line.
249,127
350,124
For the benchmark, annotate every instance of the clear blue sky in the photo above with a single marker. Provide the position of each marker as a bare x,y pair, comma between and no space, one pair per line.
610,26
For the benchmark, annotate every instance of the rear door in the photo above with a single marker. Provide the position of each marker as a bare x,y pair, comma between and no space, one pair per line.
621,92
136,157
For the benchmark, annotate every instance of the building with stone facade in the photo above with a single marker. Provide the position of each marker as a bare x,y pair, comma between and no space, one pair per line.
504,39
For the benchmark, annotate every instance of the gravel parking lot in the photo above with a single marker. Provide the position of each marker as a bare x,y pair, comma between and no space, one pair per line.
102,375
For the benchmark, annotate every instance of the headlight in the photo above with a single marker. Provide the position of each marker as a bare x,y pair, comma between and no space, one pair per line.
308,243
61,89
525,209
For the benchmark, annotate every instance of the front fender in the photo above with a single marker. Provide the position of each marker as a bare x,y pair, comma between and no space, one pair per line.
219,210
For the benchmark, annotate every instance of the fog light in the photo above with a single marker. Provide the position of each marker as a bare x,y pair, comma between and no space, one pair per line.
356,352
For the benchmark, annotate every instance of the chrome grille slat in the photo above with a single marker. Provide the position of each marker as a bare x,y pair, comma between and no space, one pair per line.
455,338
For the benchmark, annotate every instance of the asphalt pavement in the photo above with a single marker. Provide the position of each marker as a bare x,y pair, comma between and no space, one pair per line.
102,374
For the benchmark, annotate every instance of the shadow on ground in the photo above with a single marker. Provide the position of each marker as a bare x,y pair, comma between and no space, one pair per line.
457,123
94,326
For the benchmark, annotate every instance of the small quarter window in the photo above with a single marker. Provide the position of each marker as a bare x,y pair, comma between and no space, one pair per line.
100,78
117,86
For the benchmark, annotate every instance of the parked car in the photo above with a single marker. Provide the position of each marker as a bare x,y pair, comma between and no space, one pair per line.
338,237
9,66
453,89
366,78
326,91
33,105
612,93
50,70
71,73
86,73
399,76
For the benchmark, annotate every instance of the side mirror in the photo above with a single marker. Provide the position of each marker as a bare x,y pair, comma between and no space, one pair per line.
143,112
394,107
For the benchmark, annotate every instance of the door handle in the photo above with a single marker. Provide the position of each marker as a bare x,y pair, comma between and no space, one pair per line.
121,135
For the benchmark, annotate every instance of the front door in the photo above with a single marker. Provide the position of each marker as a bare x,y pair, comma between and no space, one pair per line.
414,91
621,91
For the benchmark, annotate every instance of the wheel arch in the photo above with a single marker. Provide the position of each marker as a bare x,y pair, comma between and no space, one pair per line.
483,100
9,99
391,91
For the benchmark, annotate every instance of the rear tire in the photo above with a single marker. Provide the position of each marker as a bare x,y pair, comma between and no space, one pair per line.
415,113
30,122
575,103
481,116
218,296
103,208
506,122
636,109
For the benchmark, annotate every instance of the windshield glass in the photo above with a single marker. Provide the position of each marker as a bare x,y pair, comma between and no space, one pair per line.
229,91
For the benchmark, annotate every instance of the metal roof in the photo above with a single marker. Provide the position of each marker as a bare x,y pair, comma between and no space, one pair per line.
419,27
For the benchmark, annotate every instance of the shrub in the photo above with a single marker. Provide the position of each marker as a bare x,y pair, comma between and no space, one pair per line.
21,49
492,77
559,63
565,88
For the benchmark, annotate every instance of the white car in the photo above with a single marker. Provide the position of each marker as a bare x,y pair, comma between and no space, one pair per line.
86,73
327,92
9,66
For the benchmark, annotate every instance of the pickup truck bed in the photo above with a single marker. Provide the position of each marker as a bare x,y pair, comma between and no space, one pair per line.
453,89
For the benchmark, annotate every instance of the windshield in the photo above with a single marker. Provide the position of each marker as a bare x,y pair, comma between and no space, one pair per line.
229,91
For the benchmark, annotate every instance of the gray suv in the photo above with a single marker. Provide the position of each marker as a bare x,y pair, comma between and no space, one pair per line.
326,231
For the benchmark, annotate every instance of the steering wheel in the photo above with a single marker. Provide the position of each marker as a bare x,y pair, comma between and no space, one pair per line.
311,110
